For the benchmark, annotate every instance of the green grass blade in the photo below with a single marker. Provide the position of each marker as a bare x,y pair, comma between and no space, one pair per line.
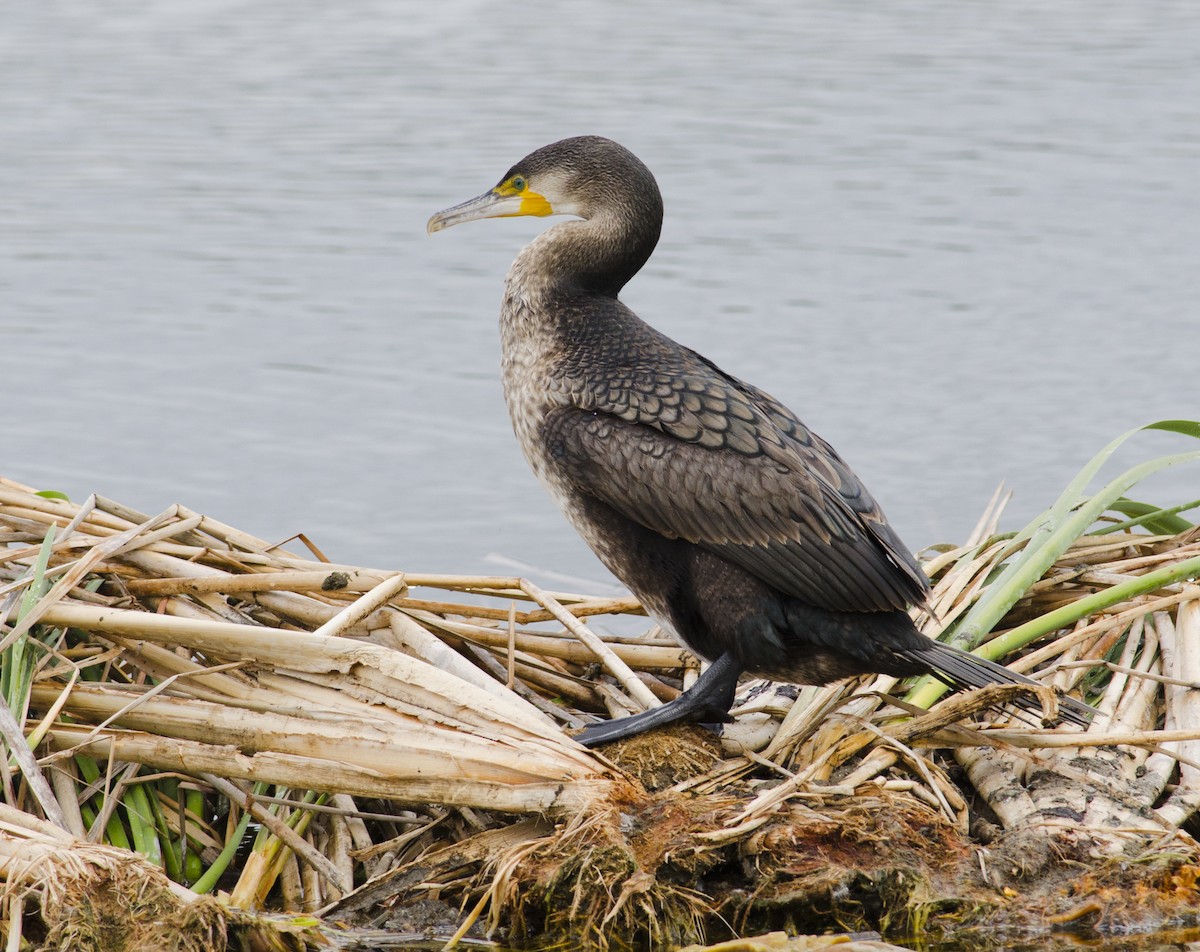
172,857
211,876
1049,536
1053,532
114,830
141,823
1069,614
1154,519
191,812
17,660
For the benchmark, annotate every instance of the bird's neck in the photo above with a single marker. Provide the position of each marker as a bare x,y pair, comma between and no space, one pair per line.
592,256
563,286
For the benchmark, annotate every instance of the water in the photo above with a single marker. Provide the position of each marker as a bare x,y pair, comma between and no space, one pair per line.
960,240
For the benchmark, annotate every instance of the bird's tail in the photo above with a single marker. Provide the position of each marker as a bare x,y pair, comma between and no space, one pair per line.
961,669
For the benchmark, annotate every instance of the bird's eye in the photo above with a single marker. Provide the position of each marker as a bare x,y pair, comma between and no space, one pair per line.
518,183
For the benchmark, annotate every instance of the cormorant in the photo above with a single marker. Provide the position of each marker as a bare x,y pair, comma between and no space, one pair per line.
740,530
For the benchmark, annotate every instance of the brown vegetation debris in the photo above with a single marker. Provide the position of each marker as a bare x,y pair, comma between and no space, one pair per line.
98,899
353,741
664,758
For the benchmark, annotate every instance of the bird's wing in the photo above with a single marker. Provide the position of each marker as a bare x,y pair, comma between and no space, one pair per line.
848,487
699,456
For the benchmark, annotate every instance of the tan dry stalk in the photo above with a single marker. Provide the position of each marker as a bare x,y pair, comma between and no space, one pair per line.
534,671
289,837
84,565
291,889
640,656
872,766
1136,708
362,607
400,747
579,609
407,634
360,836
64,778
303,651
218,683
1034,739
942,796
304,772
612,663
961,586
1079,568
803,719
1182,661
14,741
422,644
348,582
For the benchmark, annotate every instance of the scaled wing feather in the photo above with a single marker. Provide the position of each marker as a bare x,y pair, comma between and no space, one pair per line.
700,456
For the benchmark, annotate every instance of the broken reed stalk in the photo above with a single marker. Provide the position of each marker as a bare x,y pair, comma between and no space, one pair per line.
618,668
432,733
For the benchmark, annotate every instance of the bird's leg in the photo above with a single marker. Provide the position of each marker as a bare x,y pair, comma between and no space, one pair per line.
706,701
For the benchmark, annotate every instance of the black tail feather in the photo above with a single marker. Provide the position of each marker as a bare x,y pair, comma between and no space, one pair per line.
961,669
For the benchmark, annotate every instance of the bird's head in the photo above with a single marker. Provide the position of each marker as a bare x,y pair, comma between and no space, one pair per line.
574,176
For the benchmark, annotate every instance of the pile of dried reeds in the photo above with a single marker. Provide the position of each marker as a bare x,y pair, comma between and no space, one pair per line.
303,736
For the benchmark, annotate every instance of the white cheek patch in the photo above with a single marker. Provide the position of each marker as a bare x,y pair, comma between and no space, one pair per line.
555,186
569,208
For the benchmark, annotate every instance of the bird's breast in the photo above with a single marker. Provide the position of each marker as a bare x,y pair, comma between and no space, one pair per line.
539,377
530,358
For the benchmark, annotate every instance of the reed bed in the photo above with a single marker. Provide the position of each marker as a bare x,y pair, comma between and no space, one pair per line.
232,729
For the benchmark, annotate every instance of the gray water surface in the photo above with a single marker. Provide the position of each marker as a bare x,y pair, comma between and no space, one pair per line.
961,240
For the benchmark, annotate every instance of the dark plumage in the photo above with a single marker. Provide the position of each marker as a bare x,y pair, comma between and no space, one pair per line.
741,530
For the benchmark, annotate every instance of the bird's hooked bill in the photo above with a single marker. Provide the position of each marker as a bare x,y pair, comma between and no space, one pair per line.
491,204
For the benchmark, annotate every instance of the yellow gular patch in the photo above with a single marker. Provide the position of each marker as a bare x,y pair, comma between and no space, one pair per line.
534,204
531,202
